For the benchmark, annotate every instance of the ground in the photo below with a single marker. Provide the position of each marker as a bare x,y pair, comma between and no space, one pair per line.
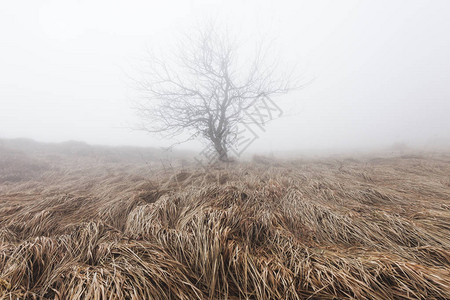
84,226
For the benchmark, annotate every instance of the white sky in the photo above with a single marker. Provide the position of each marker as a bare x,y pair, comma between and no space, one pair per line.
381,69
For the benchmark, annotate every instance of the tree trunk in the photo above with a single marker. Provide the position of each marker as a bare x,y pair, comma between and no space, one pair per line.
221,151
223,156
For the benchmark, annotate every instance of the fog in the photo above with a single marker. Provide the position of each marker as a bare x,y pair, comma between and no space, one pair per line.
377,72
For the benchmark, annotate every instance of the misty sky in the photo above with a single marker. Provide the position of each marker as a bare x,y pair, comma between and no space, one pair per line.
379,70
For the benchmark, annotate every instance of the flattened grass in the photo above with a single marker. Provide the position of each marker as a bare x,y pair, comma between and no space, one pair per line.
347,229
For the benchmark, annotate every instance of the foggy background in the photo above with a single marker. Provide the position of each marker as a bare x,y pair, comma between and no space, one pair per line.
379,70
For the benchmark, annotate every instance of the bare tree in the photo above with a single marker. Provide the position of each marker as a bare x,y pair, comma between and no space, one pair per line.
205,86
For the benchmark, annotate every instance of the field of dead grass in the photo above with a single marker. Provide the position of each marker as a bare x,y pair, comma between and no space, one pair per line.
356,228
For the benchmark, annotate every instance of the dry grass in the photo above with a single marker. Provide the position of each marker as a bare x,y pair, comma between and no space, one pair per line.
372,228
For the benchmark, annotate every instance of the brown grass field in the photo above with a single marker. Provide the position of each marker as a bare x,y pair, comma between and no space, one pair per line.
79,226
